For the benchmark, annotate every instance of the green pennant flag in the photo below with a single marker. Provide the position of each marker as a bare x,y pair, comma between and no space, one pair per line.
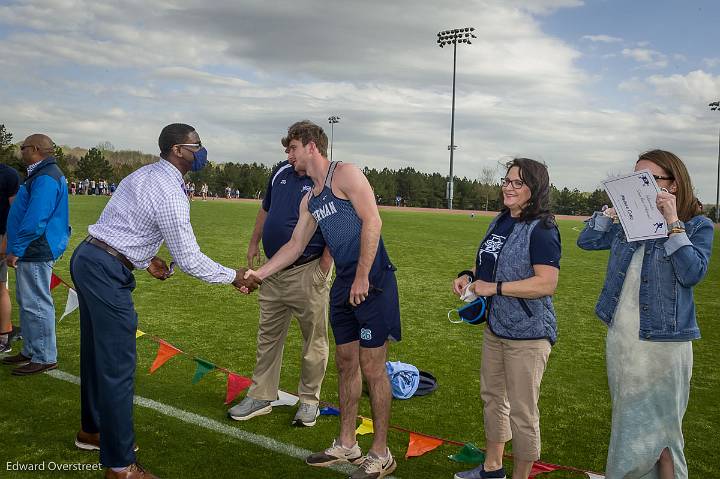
469,454
203,367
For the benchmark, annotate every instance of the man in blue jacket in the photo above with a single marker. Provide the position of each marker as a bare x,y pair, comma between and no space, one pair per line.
37,235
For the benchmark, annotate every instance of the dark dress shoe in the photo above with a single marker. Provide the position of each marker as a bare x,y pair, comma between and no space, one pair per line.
33,368
16,360
134,471
91,441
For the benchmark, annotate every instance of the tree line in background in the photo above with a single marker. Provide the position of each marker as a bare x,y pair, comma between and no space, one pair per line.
404,187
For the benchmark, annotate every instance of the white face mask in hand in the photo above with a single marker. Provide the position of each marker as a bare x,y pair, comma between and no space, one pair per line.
473,312
468,295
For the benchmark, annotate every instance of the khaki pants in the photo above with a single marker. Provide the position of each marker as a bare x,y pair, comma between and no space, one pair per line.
301,292
510,378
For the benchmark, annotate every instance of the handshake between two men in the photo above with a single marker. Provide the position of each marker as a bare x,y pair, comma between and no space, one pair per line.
245,281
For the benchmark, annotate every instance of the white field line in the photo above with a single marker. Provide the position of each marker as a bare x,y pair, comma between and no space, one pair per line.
213,425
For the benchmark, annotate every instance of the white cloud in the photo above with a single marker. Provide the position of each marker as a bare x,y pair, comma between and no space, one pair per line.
602,38
649,58
633,84
89,71
697,87
711,62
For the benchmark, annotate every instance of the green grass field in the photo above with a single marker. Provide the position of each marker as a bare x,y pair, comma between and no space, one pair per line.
40,414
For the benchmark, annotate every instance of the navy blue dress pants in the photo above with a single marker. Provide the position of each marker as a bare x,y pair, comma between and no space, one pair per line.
108,322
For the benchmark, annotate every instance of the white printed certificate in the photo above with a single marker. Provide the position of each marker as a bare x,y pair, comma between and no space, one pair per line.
633,197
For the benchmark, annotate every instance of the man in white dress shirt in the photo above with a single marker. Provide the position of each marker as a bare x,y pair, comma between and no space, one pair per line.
149,206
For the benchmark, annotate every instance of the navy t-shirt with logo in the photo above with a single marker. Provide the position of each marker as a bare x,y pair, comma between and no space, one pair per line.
282,199
544,247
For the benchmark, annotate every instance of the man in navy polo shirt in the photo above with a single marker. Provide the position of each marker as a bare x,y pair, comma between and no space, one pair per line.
300,290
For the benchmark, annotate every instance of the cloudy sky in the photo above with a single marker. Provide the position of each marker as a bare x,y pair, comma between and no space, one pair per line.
582,85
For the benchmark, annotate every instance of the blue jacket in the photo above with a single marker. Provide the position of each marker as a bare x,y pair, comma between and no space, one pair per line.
670,269
38,228
519,318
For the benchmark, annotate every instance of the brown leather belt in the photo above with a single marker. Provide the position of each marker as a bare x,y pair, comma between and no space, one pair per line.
110,250
303,260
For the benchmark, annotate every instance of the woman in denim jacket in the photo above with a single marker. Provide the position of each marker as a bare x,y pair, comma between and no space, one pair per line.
647,303
516,269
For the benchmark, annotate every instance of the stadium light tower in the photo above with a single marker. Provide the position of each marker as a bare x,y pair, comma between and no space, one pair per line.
453,37
715,106
332,120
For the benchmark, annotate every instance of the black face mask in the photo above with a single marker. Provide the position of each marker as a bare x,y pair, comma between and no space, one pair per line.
471,313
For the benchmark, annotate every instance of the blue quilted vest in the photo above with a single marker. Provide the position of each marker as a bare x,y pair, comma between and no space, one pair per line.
519,318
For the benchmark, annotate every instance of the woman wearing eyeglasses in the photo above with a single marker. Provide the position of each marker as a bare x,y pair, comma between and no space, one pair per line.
516,269
647,303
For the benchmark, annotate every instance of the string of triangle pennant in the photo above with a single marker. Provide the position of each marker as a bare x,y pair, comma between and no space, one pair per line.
418,443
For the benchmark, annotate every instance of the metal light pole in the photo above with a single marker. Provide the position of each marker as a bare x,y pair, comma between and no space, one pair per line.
716,106
332,120
447,37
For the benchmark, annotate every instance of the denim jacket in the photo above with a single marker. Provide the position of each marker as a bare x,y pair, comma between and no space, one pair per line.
670,269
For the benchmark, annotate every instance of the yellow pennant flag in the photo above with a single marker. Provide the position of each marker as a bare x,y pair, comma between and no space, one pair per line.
366,427
138,333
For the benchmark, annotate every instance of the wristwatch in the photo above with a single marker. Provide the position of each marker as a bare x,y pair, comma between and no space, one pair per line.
676,224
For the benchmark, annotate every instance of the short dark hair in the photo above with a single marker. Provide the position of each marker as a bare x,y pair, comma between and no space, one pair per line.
306,131
535,175
173,134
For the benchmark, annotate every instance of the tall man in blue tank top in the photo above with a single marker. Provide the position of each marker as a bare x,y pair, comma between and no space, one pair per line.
364,306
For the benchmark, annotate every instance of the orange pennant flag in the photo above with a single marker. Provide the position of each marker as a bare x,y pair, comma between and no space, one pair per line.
420,444
235,385
165,352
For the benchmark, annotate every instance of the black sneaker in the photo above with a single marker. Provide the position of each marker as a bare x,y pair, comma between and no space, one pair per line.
18,360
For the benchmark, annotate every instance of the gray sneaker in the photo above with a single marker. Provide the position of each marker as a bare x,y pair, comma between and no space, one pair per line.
306,415
374,467
335,454
248,408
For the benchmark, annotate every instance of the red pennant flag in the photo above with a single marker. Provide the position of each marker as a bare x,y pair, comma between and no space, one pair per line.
420,444
540,467
54,281
165,352
235,385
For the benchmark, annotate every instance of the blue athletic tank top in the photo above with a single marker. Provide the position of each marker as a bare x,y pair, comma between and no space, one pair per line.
341,226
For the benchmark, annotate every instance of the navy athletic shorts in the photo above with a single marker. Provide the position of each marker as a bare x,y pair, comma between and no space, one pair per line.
374,321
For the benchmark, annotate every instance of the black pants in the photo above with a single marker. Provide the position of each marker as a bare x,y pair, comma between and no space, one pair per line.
108,322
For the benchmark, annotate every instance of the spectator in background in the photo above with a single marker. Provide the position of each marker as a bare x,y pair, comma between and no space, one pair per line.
9,184
37,235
